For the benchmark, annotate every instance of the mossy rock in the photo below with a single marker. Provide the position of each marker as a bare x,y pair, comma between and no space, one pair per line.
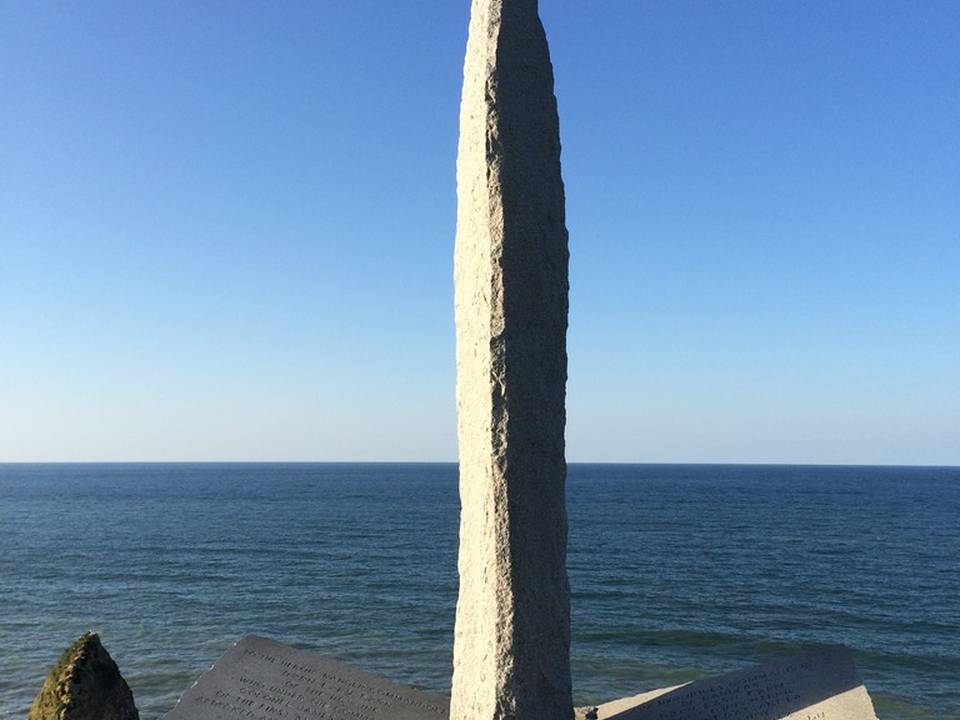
84,685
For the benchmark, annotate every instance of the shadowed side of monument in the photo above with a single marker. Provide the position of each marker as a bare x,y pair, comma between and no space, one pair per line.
511,648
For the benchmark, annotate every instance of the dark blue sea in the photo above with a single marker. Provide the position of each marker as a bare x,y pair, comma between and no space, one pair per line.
677,572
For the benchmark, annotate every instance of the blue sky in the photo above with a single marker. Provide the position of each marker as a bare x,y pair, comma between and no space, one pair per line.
226,229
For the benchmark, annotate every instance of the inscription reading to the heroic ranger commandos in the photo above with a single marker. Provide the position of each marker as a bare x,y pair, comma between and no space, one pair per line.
822,684
259,679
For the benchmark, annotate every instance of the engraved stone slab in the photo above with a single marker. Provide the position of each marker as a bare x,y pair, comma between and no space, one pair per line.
821,684
259,679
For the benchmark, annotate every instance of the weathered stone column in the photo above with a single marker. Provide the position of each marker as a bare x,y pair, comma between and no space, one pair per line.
512,644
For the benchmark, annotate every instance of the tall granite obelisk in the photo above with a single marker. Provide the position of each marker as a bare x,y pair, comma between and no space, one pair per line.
512,644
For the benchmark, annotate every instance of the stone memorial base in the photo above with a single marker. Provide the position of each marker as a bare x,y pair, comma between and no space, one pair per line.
259,679
821,684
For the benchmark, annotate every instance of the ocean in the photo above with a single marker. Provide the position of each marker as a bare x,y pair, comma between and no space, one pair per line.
677,572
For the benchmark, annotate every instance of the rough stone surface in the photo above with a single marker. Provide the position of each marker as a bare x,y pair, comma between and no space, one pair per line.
84,685
260,679
820,684
512,640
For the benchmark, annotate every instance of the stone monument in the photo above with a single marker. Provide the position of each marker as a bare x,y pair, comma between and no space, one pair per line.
512,638
512,635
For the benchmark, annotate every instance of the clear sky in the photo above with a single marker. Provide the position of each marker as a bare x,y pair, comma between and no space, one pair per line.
226,229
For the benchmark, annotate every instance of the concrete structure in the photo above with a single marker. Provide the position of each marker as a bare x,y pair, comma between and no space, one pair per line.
512,644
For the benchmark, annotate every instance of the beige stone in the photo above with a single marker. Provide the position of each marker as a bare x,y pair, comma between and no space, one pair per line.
511,647
615,707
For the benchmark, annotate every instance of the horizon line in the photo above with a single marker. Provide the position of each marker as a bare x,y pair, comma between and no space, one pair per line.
455,462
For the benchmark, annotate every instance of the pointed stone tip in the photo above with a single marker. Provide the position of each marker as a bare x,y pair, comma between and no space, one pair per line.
85,684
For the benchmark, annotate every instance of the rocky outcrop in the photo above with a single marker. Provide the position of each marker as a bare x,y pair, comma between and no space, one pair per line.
84,685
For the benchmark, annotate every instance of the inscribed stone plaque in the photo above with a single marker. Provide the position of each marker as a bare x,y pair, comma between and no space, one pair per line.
259,679
821,684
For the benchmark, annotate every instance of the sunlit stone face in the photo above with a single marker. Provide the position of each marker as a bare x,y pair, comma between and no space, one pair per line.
511,650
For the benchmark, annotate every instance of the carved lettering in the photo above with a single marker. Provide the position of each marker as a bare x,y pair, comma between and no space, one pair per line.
263,680
819,685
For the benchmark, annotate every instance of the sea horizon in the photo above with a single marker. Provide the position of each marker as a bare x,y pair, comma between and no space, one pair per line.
629,463
677,571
